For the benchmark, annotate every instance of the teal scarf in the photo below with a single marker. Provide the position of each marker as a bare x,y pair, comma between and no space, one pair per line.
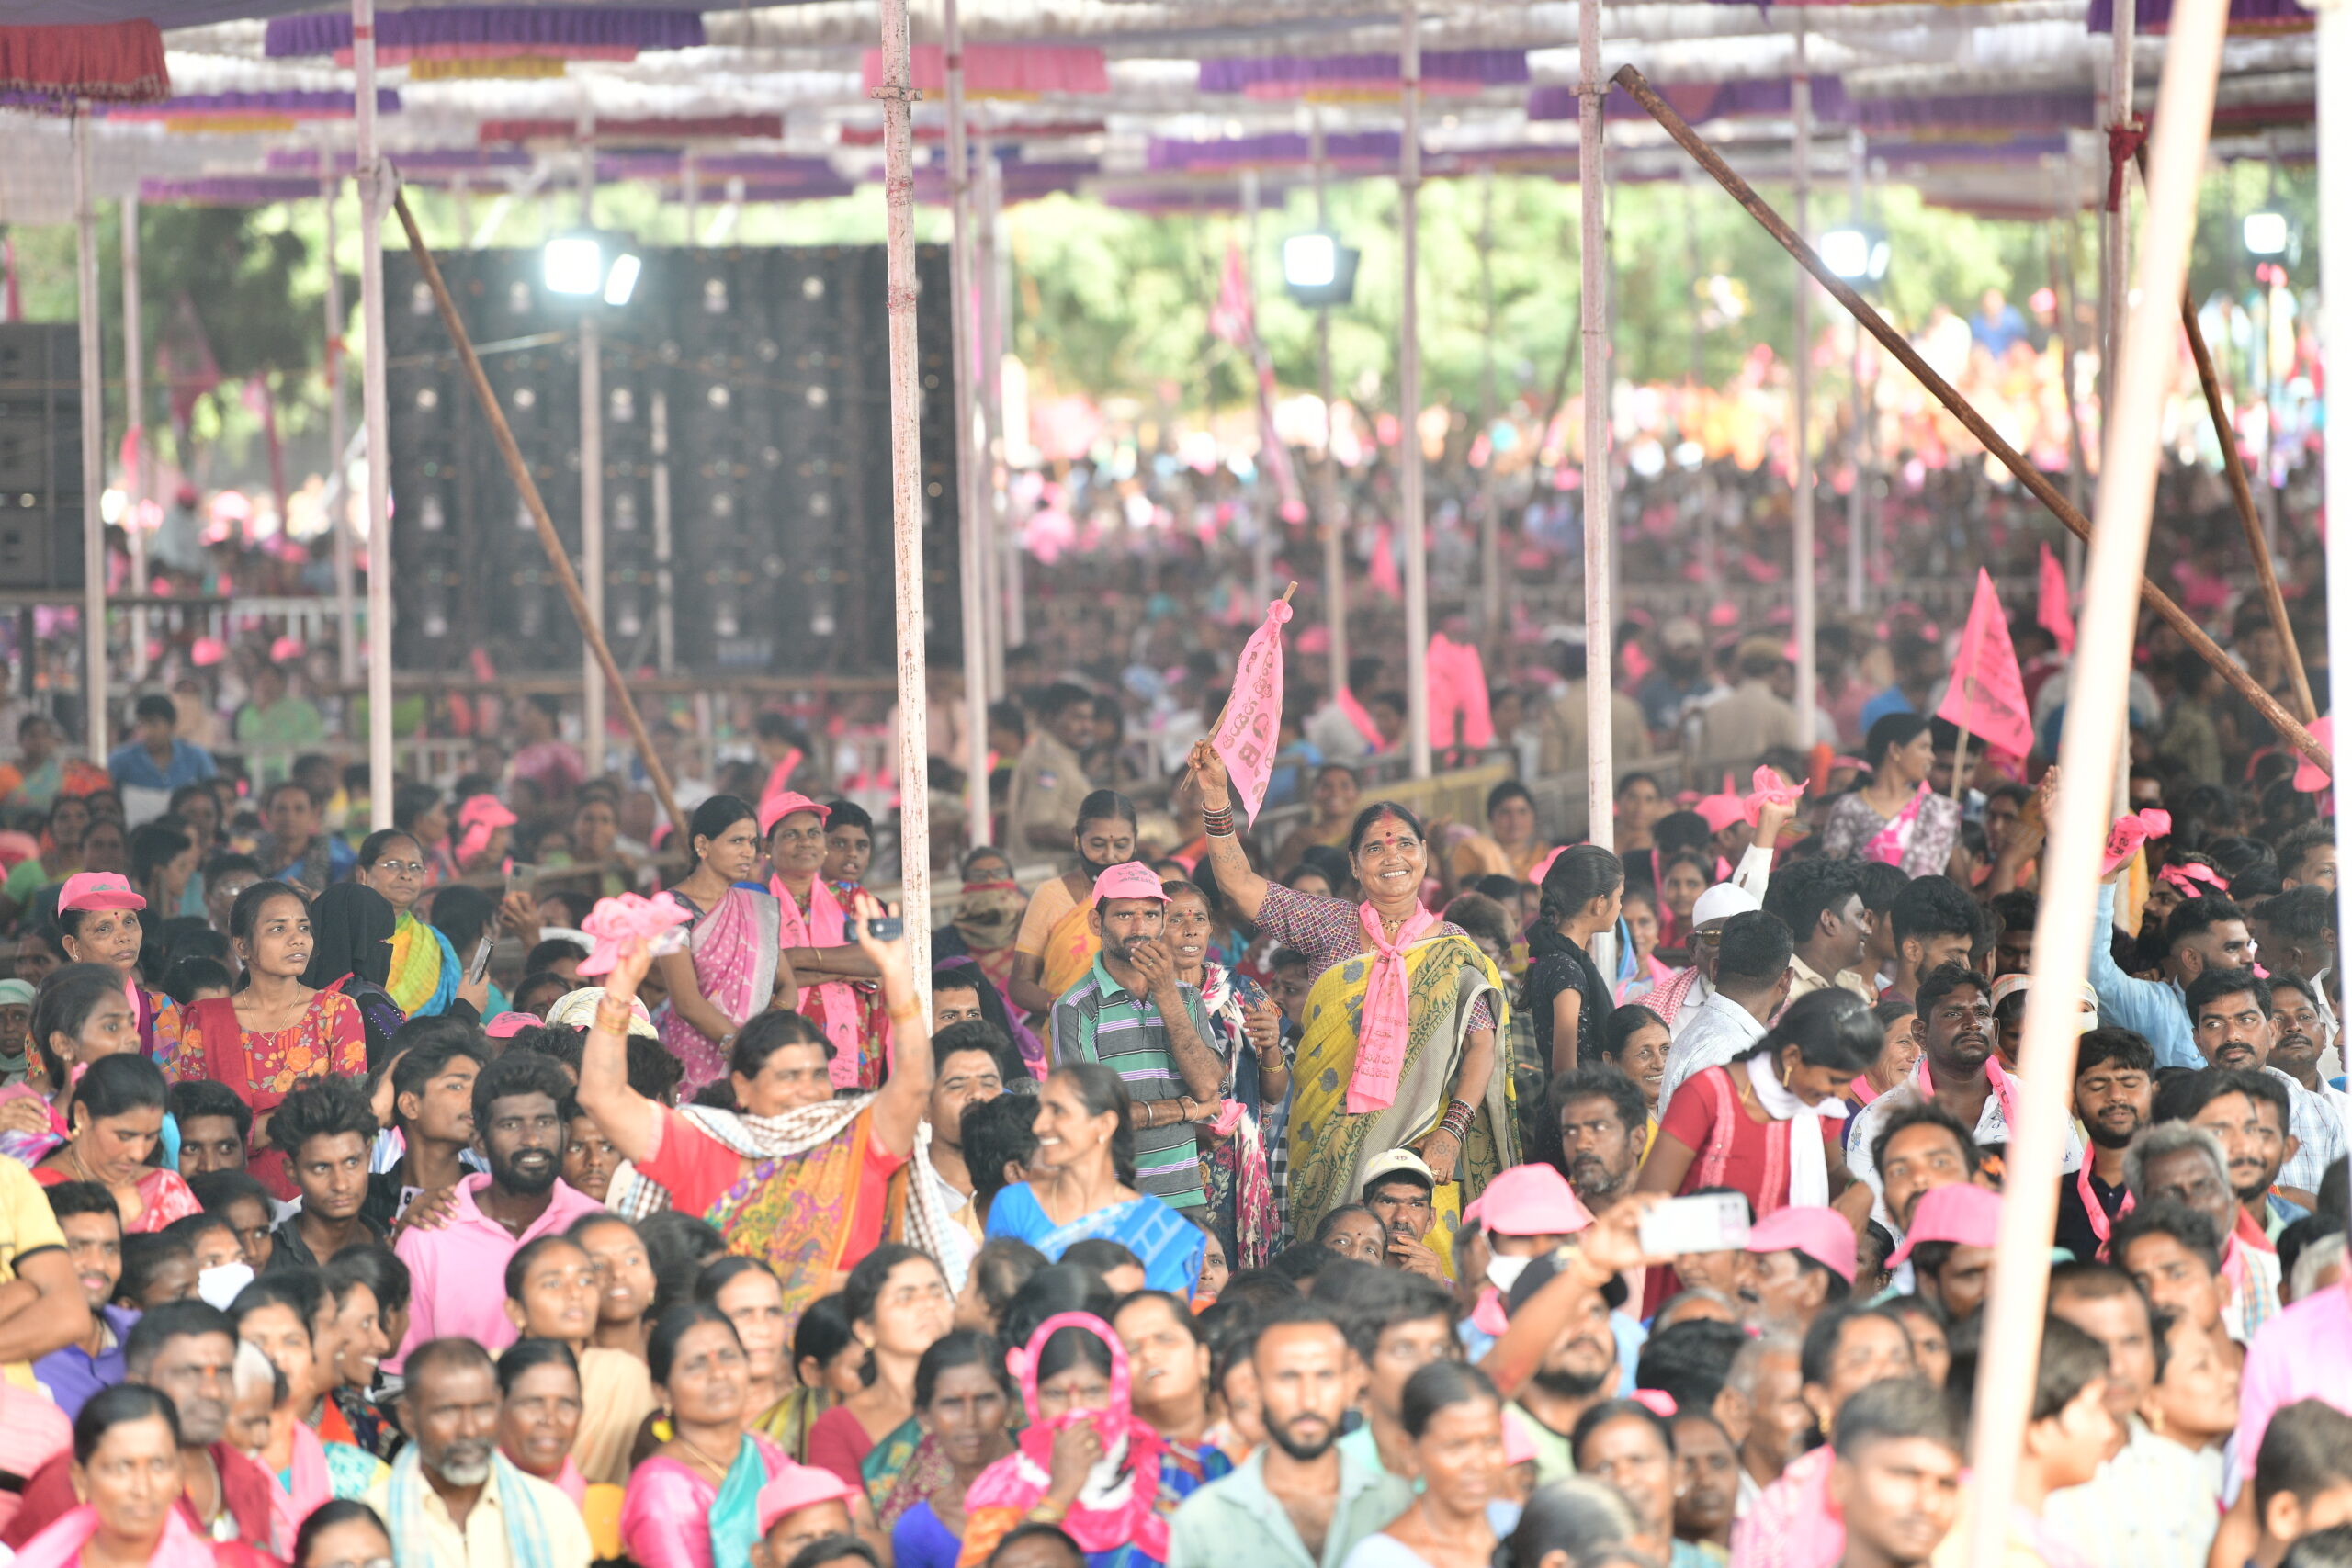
518,1506
735,1516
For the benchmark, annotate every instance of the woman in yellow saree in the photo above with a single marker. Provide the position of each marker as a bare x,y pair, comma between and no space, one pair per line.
1402,1023
1056,947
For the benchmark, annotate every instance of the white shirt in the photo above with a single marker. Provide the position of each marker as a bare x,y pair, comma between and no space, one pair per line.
1720,1031
1991,1129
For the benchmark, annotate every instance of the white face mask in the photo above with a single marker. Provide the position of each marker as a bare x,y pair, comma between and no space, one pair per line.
1502,1273
218,1285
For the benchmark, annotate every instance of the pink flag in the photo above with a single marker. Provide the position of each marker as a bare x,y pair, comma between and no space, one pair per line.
1457,677
1987,696
1385,576
2050,612
1249,732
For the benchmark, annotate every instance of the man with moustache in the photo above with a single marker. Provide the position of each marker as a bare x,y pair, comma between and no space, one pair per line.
1576,1372
2230,1013
1957,1070
2300,1031
523,1106
1299,1501
453,1500
1603,1126
1919,1148
2115,1096
2185,1164
184,1350
2247,1112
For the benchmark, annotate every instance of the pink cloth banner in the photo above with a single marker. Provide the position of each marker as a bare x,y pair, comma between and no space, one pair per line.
1249,733
1987,696
1003,70
1457,677
2053,611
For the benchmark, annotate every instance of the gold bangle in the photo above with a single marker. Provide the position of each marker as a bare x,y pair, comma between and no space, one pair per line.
1047,1512
614,1017
906,1014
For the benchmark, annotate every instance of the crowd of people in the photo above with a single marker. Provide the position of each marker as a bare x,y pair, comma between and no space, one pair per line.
1289,1191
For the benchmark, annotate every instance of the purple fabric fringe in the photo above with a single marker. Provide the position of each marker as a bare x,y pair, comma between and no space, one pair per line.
326,32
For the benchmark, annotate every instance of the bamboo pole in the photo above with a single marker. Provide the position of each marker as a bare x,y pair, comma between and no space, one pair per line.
94,673
2272,711
2089,755
898,95
520,472
2257,542
1414,541
375,190
972,538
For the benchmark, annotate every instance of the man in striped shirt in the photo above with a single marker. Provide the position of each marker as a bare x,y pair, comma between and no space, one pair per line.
1134,1017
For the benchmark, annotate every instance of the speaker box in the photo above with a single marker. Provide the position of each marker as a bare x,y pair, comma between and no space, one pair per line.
41,458
767,370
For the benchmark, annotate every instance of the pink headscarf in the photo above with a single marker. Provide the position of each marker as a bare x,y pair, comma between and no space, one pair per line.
481,816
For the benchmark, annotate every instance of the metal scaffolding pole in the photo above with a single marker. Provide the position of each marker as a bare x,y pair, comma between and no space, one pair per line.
1801,387
971,508
592,476
375,196
346,615
1335,525
898,95
1492,631
1005,551
1409,398
134,396
1599,510
1859,438
94,450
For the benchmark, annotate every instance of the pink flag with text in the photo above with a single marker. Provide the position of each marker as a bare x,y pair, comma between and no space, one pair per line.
1249,733
2051,611
1987,696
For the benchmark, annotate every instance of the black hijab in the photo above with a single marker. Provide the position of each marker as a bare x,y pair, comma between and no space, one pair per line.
352,926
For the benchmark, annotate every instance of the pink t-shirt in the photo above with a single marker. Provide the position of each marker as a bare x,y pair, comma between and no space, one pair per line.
2305,1352
457,1274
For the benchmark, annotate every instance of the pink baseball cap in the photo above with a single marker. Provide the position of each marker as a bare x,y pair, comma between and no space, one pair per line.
98,890
1961,1213
1129,879
798,1487
1821,1234
782,804
507,1025
1529,1200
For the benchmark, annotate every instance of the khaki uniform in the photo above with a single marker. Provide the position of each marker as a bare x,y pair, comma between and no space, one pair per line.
1048,785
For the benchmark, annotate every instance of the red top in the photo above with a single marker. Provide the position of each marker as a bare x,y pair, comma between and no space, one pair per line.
838,1442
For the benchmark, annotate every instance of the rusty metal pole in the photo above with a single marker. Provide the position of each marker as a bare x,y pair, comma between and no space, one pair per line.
898,95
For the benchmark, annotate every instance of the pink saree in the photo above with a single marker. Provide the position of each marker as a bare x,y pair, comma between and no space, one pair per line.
833,1005
734,946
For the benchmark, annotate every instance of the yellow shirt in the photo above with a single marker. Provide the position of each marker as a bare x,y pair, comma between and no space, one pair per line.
27,1226
481,1541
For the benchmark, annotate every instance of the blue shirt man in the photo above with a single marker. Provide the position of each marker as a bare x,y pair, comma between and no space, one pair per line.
157,757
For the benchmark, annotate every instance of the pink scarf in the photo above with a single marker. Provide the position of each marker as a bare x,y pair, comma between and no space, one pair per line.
60,1544
1895,838
835,1006
309,1489
1108,1514
1353,712
1387,1025
2002,1089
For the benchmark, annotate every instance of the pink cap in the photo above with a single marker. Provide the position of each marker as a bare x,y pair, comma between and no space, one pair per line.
1129,879
1529,1200
798,1487
485,811
782,804
1821,1234
507,1025
2310,777
1721,811
98,890
1961,1213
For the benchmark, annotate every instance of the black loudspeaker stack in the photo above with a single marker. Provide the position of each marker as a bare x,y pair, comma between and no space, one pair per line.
41,458
746,464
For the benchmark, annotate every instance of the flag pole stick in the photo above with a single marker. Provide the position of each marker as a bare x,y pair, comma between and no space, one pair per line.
1959,765
2273,711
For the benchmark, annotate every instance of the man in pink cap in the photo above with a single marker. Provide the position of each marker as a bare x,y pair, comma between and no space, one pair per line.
1134,1016
1950,1246
801,1503
1799,1260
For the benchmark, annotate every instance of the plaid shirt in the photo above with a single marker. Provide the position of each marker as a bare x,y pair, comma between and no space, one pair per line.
1098,1019
2317,1127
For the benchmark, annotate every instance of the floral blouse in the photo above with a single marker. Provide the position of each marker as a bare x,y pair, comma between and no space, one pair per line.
328,1040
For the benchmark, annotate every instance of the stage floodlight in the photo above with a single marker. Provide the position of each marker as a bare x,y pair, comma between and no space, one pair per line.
621,282
1319,270
1857,255
2266,233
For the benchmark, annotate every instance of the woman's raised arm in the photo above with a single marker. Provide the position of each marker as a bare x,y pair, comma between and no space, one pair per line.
1243,887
